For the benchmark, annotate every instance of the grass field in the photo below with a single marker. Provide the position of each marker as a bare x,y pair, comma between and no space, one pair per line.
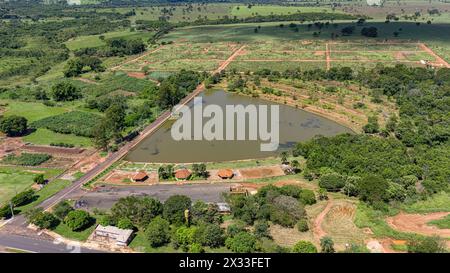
45,137
242,11
443,223
14,180
95,41
63,230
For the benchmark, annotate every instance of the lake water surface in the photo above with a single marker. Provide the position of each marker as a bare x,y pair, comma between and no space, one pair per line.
295,125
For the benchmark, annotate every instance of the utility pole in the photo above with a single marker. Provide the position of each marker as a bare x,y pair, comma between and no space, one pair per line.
12,209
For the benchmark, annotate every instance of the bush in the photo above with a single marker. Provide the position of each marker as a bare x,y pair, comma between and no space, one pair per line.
62,209
302,225
23,198
332,181
184,237
13,125
78,220
158,232
243,242
426,245
304,247
327,245
26,159
196,248
234,229
307,197
107,220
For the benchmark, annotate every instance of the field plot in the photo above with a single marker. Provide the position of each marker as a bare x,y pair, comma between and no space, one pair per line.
193,56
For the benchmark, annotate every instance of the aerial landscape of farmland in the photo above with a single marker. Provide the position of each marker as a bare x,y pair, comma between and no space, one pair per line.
90,97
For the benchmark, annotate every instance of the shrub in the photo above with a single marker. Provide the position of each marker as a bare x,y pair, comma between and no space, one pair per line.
158,232
196,248
302,225
307,197
107,220
234,229
184,237
426,245
332,181
42,219
213,236
13,125
304,247
327,245
78,220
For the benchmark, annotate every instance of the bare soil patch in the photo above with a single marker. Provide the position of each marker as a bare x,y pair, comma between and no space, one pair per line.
260,172
418,223
136,75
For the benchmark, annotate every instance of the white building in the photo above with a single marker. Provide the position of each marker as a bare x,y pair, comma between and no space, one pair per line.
120,237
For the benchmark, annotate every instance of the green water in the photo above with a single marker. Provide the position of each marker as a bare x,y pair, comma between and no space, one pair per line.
295,125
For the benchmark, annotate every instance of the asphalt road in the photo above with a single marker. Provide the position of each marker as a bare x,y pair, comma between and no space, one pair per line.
105,197
40,246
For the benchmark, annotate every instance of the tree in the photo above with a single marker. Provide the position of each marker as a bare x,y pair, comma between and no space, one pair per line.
184,237
199,170
23,198
426,245
65,91
304,247
62,209
212,236
332,181
157,232
261,229
243,242
39,179
13,125
373,188
174,209
125,223
196,248
41,219
202,212
140,210
327,245
78,220
369,31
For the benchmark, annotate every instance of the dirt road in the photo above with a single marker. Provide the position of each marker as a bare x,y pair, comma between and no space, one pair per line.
437,57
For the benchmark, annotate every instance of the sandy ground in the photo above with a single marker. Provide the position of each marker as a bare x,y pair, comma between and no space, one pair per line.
260,172
119,177
137,75
10,145
417,223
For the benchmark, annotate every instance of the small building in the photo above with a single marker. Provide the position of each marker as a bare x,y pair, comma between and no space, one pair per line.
140,176
225,173
120,237
223,208
182,174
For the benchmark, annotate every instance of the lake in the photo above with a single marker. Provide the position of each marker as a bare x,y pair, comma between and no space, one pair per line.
295,125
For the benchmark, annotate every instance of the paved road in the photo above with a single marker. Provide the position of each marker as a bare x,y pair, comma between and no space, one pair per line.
41,246
105,197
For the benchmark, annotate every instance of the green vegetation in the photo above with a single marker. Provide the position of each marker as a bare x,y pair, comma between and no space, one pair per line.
443,223
26,159
75,122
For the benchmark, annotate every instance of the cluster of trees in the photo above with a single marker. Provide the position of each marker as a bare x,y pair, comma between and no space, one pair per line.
13,125
177,86
20,199
283,206
83,64
114,47
63,212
